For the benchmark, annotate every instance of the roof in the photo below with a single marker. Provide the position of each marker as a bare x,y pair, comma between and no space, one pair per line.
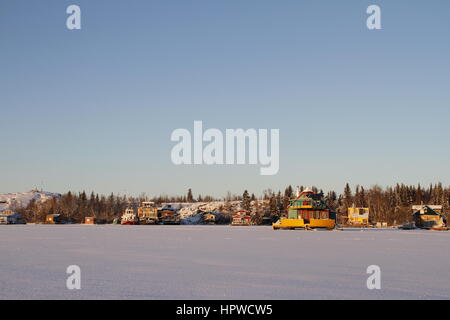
55,215
14,215
7,212
427,211
432,206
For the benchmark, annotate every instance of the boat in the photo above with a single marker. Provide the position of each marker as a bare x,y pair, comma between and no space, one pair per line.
358,217
148,213
129,217
168,215
307,211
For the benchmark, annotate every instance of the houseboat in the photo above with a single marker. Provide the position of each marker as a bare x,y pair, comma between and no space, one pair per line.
241,218
307,211
168,215
148,213
358,217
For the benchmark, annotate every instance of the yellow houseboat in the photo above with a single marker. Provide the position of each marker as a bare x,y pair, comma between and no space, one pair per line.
307,211
148,213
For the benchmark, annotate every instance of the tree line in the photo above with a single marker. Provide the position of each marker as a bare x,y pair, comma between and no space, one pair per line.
390,204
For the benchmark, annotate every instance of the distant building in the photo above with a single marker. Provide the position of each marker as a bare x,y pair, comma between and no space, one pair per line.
89,220
241,218
53,219
209,218
358,216
11,217
429,217
148,213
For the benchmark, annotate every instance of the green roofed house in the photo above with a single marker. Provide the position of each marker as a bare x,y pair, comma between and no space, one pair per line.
307,210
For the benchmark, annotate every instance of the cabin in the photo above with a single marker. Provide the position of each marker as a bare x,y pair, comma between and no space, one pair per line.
358,216
215,217
90,220
53,219
11,217
429,217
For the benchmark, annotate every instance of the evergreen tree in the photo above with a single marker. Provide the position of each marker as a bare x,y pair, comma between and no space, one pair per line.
190,197
246,201
348,197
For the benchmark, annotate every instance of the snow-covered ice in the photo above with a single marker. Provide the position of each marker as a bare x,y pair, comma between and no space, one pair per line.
220,262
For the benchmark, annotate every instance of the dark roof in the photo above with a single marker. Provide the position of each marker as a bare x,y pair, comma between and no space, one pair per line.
54,215
428,211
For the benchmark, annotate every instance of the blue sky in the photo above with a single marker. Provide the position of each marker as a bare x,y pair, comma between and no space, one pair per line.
93,109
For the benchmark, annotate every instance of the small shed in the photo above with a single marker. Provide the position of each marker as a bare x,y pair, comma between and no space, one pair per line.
53,219
90,220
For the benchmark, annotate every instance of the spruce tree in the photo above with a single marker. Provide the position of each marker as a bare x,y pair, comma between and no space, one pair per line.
190,197
246,202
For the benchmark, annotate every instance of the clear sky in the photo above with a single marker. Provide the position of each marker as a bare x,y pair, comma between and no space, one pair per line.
93,109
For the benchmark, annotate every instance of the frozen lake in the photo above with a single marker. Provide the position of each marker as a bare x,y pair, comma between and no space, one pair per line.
220,262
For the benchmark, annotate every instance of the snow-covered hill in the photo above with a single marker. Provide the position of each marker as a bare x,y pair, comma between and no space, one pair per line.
19,200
